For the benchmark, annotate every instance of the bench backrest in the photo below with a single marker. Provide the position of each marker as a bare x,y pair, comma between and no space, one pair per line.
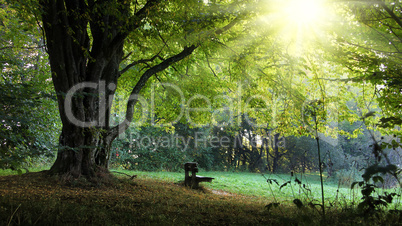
191,167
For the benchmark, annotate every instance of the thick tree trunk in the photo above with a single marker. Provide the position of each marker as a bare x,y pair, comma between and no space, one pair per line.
85,70
82,71
102,155
82,152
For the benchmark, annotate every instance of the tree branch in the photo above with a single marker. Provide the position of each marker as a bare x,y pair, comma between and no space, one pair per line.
139,62
125,57
115,131
375,50
209,65
26,48
392,14
227,27
135,20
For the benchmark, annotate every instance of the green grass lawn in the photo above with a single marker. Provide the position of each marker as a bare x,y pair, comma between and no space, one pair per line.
6,172
159,198
255,184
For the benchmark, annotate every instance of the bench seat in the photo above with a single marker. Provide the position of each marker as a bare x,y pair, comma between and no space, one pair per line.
206,179
193,180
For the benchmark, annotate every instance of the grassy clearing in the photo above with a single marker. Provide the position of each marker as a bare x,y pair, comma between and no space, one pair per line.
7,172
158,198
254,184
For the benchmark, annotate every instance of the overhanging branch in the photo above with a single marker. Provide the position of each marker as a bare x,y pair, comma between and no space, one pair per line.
227,27
139,62
115,131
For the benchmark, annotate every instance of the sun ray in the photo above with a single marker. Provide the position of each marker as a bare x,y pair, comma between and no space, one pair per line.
304,13
297,22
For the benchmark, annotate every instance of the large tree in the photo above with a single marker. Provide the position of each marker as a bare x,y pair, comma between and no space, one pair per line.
91,44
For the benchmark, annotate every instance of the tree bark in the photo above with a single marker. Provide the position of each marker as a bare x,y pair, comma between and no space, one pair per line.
276,154
89,66
85,40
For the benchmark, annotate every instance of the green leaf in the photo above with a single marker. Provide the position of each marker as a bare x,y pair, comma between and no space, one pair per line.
360,183
298,181
378,179
273,180
298,203
284,184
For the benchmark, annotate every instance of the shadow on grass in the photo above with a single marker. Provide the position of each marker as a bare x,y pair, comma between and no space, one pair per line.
35,198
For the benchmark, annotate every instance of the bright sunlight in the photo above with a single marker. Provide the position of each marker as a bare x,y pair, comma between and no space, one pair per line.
304,13
299,22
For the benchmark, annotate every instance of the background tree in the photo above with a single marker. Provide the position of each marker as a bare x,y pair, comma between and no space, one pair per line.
28,110
375,57
375,53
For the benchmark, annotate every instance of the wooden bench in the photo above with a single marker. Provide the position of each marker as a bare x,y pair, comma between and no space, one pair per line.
193,180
